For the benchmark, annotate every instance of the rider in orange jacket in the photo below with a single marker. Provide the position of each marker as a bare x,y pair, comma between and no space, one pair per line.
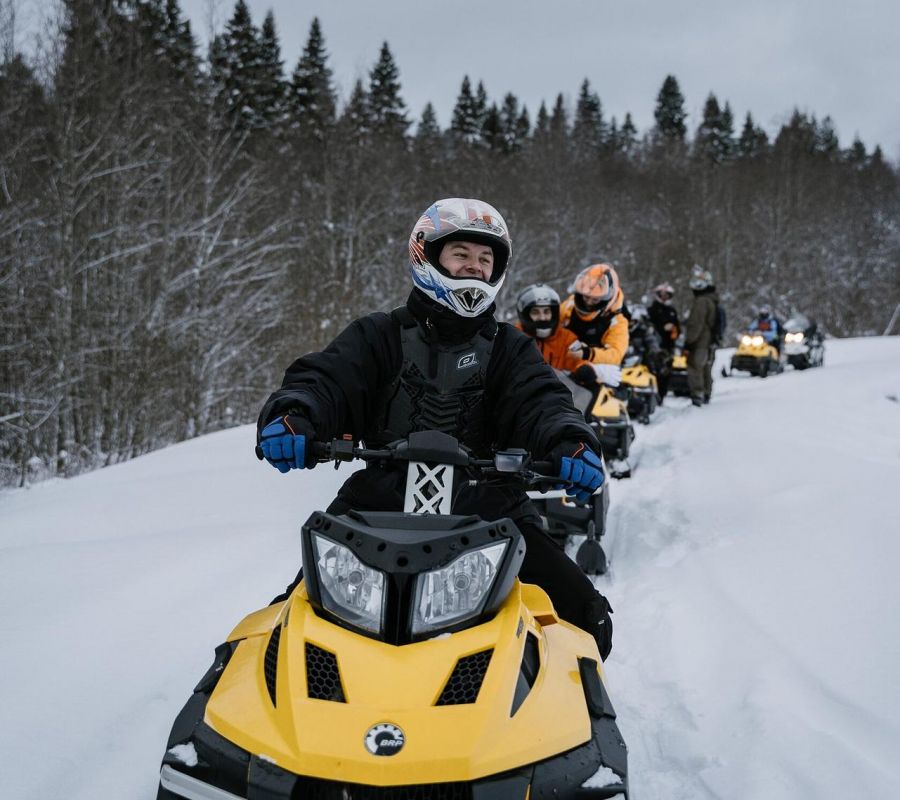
593,312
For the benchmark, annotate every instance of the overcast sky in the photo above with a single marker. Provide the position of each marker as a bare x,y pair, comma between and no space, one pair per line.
764,56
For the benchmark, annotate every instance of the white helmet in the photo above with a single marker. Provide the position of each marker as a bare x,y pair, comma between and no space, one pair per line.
458,219
701,279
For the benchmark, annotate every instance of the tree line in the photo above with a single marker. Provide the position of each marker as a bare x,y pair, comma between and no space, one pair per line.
176,228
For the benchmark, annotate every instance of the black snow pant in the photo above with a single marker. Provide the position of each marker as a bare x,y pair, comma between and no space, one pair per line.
547,565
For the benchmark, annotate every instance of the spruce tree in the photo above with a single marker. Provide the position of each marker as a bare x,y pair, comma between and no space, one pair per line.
428,126
356,120
492,129
542,122
481,103
559,120
235,66
628,136
669,113
523,127
386,108
711,142
753,141
312,98
511,124
856,155
588,129
271,90
465,125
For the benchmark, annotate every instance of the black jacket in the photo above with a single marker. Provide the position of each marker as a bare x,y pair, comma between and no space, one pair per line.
661,315
340,389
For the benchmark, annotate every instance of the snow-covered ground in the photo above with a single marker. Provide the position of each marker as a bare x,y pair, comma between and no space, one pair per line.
755,559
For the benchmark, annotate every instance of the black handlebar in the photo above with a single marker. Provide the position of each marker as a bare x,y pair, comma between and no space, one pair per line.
435,448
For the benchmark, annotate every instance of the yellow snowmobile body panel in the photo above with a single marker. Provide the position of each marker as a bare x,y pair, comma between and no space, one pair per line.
607,407
400,685
640,378
679,362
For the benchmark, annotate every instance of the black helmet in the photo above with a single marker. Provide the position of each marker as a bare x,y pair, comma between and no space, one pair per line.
538,294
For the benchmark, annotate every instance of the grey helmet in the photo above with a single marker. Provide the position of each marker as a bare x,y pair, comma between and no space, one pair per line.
538,294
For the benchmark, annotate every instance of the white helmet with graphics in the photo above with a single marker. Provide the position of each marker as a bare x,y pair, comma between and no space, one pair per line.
458,219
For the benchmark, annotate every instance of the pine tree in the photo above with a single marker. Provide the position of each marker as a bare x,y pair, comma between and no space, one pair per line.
588,130
355,119
386,108
481,103
826,139
236,68
465,125
492,129
856,155
271,91
312,98
559,120
753,141
542,123
669,113
714,141
511,124
628,136
523,127
428,126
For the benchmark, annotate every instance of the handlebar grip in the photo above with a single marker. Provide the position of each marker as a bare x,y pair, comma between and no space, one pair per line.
259,453
543,467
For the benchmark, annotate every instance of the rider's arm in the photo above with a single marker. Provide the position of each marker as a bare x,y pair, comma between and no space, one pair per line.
613,344
528,406
335,388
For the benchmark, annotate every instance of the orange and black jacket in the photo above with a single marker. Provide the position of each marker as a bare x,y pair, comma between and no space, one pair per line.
606,334
555,349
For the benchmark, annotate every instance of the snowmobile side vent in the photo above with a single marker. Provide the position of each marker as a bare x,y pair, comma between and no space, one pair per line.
595,696
323,678
270,662
465,681
528,672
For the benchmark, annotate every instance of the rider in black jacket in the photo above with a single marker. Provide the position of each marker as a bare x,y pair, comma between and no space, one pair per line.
442,362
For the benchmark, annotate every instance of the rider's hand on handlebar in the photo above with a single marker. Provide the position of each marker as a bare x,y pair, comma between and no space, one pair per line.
581,467
285,443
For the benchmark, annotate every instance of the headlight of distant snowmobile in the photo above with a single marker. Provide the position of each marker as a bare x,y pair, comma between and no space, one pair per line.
349,588
746,340
794,337
456,592
757,341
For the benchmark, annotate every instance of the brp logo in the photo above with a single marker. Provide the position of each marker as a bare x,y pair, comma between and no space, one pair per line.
384,739
468,360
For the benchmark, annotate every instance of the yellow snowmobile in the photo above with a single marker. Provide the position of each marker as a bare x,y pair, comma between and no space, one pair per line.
409,664
639,389
678,378
756,356
609,417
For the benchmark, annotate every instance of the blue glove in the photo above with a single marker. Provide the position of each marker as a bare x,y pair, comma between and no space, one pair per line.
583,469
285,443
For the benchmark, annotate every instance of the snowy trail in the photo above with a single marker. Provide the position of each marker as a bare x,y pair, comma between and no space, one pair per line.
754,559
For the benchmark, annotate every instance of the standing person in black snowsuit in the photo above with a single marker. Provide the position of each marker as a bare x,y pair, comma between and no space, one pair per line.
664,318
442,362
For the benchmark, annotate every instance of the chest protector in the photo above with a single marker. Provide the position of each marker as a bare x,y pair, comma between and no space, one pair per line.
439,387
590,331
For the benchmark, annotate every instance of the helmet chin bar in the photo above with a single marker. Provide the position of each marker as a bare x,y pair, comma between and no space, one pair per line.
470,297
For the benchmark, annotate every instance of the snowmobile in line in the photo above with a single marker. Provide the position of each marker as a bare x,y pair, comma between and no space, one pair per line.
638,388
756,356
562,517
410,663
678,377
804,344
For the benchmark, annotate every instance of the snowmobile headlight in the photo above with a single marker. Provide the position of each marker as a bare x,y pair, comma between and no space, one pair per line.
746,340
758,341
458,591
349,588
794,337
